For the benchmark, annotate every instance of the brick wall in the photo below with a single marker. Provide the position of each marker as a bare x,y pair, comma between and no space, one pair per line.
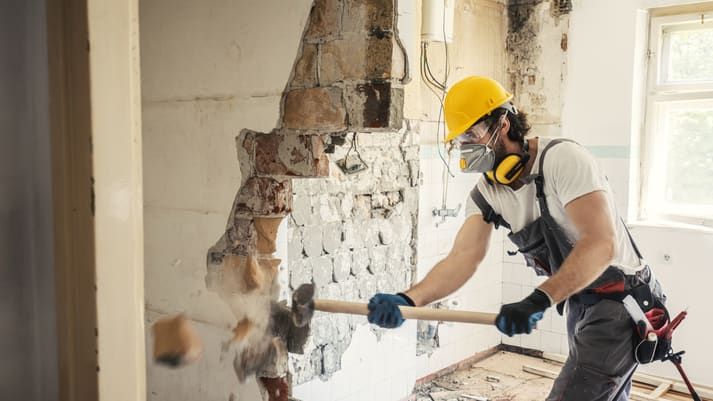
349,235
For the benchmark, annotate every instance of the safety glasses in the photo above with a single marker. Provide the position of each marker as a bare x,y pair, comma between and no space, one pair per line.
473,134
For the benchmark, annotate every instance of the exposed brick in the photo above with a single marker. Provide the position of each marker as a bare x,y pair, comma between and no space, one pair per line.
350,292
316,359
367,286
317,109
245,143
266,158
331,359
290,155
343,60
312,241
332,236
241,236
356,58
342,267
368,15
360,262
300,272
321,162
305,74
304,155
322,269
325,20
267,233
277,388
379,57
302,210
377,264
375,106
264,196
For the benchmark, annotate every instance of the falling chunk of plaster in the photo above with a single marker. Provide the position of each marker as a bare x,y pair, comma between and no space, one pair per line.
176,342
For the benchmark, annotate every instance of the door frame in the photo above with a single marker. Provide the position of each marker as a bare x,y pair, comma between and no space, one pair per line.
95,122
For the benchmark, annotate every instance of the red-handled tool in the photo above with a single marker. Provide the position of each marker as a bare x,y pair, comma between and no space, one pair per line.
674,323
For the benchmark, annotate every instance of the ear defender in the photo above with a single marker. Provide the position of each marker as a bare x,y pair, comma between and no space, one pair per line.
510,167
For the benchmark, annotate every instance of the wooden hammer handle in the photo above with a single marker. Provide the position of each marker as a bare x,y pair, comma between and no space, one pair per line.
408,312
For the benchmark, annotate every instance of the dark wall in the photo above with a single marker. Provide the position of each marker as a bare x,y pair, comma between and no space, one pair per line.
27,312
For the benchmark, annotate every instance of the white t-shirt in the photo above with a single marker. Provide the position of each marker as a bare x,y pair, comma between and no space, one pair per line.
570,171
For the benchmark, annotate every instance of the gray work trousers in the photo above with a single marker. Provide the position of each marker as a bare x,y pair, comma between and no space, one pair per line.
601,360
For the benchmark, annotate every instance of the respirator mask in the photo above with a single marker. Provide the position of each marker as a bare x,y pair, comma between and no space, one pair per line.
476,157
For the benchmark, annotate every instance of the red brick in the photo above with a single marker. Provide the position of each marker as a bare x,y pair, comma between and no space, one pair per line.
264,196
368,16
318,109
305,74
356,57
284,154
324,20
375,106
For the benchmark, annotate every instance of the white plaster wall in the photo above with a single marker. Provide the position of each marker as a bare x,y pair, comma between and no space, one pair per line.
209,69
602,78
601,111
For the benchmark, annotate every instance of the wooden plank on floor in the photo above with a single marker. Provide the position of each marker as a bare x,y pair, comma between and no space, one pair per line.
639,396
539,371
635,395
677,386
661,389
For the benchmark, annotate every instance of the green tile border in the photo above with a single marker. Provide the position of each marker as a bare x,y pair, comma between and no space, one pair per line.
610,152
430,151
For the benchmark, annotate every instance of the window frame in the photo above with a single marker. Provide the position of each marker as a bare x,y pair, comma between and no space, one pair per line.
659,96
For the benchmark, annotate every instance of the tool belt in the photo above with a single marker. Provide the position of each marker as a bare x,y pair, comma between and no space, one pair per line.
651,321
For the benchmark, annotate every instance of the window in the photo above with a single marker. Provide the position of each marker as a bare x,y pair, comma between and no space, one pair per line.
677,169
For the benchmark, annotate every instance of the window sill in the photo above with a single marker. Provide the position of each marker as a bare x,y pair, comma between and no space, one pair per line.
670,226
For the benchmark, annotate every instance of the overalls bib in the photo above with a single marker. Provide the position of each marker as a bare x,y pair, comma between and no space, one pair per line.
600,361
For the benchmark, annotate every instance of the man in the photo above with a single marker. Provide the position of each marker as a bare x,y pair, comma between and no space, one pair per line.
558,205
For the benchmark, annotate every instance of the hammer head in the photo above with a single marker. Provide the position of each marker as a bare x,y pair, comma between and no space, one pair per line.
303,304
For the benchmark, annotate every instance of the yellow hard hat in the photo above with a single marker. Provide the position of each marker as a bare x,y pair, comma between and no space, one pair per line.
469,100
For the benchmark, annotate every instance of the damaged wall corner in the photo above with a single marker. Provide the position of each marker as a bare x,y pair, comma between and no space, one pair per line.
342,81
537,49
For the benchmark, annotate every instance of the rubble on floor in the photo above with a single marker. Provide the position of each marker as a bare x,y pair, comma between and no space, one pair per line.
509,376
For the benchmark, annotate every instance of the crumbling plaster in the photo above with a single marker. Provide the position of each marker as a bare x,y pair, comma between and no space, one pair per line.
351,91
197,121
537,61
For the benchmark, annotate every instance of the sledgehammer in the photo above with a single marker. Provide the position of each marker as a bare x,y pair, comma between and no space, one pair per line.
304,305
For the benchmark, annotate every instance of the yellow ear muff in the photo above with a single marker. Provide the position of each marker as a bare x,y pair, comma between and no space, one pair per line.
490,176
509,169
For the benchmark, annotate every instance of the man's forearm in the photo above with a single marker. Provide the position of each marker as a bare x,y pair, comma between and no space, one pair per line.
446,277
587,261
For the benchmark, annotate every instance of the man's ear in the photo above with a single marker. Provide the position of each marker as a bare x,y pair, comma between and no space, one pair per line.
504,125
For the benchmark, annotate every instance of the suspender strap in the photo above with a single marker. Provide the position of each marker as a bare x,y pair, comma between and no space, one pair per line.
631,239
489,214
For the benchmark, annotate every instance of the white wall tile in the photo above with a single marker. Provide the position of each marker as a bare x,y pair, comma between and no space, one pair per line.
532,340
514,340
551,342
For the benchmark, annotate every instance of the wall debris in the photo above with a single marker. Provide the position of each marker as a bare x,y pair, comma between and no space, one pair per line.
349,235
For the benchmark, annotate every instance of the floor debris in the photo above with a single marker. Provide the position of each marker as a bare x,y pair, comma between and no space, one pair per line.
508,376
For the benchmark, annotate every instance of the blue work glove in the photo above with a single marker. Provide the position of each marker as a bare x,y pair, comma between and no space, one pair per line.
384,309
521,317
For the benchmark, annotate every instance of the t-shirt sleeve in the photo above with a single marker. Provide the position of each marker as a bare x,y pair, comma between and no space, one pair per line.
573,172
470,207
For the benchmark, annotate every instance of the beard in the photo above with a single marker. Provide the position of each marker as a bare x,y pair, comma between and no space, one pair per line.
500,152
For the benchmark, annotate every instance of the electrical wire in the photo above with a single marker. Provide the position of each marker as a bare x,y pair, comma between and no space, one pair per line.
438,88
445,82
354,145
